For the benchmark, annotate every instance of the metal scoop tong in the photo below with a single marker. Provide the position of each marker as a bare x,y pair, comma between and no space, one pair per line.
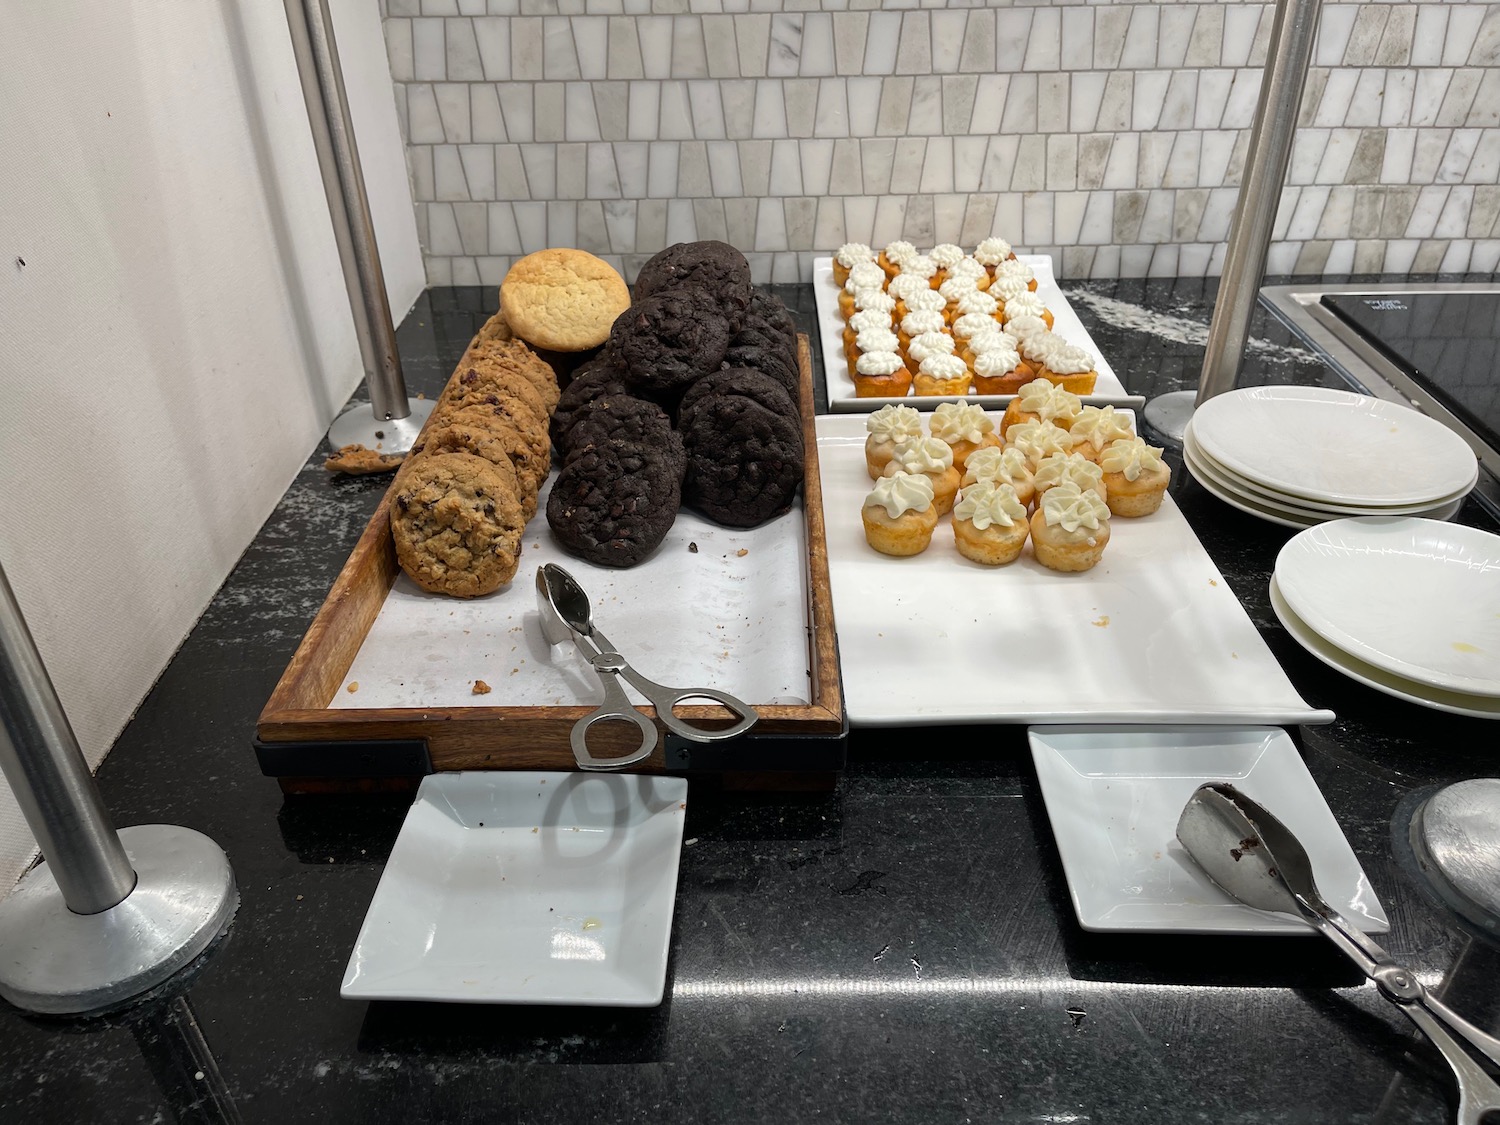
565,613
1254,858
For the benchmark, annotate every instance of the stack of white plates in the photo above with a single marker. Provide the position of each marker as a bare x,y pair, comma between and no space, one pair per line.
1410,607
1298,456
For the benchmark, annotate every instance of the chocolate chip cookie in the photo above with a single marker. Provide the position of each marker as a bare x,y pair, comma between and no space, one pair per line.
717,269
456,529
487,383
515,356
667,340
744,462
529,450
613,505
479,442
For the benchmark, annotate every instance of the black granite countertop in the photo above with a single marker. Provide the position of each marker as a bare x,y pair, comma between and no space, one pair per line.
901,949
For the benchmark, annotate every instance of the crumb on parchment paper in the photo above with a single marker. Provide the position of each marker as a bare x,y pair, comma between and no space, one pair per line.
742,552
481,688
1101,622
353,687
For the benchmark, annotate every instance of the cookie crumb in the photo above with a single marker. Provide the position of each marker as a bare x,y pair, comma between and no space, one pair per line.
356,460
693,548
353,687
1101,623
299,898
481,688
742,552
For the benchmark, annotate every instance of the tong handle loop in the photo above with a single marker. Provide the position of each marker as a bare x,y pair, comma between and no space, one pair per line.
1477,1092
664,699
616,706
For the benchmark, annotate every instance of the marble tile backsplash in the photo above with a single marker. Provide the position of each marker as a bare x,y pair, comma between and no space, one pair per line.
1111,136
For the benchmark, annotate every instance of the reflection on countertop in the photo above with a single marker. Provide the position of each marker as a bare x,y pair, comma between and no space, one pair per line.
902,949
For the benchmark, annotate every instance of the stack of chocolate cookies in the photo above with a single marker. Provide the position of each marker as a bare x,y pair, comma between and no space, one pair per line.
461,500
694,399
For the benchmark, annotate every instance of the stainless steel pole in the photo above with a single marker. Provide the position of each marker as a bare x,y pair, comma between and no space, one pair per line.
51,779
1266,160
317,56
1287,56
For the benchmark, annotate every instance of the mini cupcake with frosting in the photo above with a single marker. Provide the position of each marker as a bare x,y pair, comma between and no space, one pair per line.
968,267
1027,303
965,427
899,514
1097,426
1004,288
998,366
931,458
895,255
921,266
940,374
849,255
919,299
874,299
1060,468
1014,267
1001,466
926,344
1042,401
1135,476
1039,440
945,255
1070,529
863,321
989,523
887,428
1072,367
881,375
915,323
975,301
863,275
991,252
870,340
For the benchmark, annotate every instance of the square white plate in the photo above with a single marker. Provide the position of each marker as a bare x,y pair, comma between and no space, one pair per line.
1114,795
1108,391
526,888
1153,634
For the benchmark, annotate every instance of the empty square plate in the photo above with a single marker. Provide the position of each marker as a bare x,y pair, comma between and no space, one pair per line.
1114,794
526,888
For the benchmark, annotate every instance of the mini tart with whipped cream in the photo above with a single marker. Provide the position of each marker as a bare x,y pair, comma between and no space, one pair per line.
933,459
1070,528
1028,304
870,340
888,427
926,344
940,374
945,255
1039,440
1001,466
1059,468
915,323
1042,401
864,275
1000,370
989,523
1135,476
895,255
965,428
1097,426
1014,267
991,252
1071,368
849,255
923,300
881,375
899,514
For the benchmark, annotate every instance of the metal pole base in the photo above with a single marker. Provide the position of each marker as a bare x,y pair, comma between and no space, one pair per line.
1456,837
359,426
1168,415
56,962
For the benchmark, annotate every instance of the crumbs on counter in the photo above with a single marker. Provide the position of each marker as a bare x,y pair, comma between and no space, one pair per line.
481,688
353,687
692,548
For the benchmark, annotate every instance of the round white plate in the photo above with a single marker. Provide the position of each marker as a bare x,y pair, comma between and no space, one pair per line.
1418,598
1334,447
1457,703
1259,492
1217,483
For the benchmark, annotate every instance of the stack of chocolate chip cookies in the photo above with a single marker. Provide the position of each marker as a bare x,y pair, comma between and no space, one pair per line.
694,399
461,501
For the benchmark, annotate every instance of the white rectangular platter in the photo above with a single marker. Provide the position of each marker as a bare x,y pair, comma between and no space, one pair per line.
1114,795
713,606
1108,391
1153,634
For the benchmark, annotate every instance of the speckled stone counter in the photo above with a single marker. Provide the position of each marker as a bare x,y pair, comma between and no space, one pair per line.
902,949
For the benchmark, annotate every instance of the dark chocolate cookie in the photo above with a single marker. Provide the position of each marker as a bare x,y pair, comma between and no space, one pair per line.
742,381
612,505
771,308
623,418
717,268
768,362
599,380
669,339
744,462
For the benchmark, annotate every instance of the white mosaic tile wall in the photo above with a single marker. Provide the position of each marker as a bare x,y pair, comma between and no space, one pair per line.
1109,135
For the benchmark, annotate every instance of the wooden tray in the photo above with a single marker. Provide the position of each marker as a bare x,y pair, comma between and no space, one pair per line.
312,747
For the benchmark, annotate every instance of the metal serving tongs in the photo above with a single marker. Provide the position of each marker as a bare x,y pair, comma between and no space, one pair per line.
566,615
1256,859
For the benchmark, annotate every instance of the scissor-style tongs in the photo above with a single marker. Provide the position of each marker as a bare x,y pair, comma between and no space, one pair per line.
565,613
